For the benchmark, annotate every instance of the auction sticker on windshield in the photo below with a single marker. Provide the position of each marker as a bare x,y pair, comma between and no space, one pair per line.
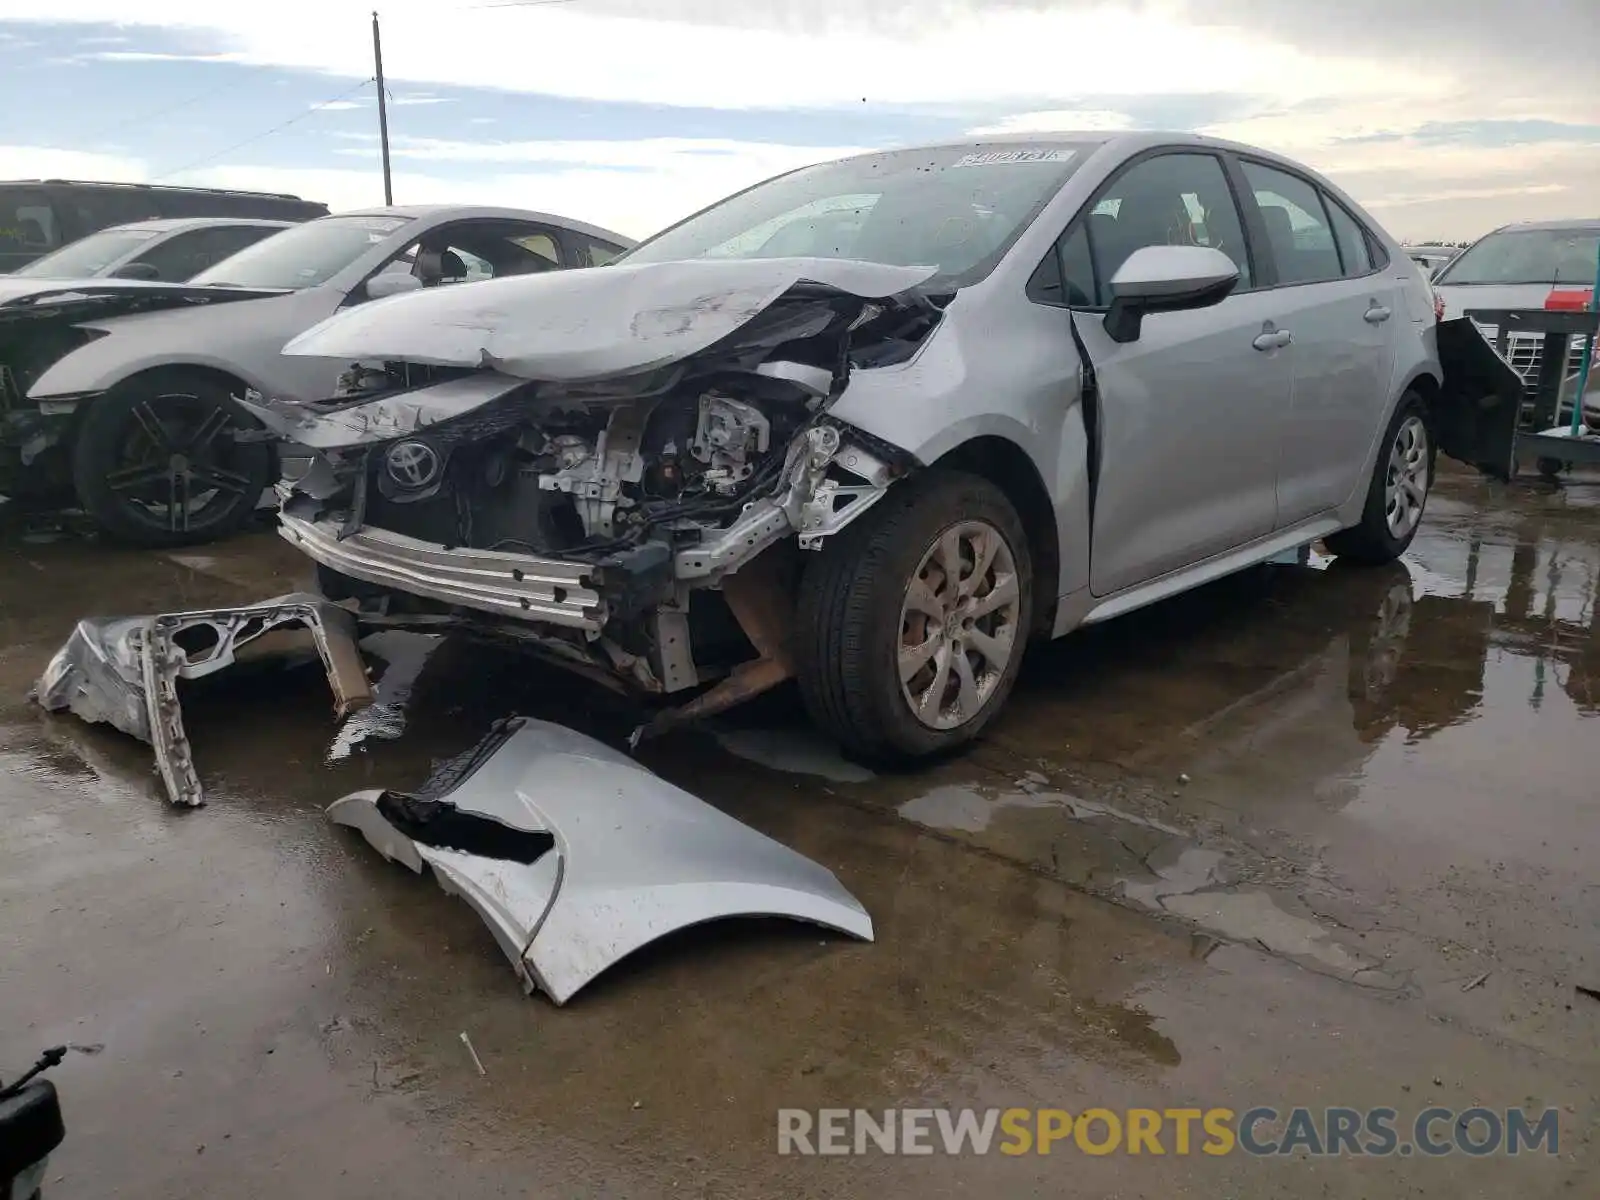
987,158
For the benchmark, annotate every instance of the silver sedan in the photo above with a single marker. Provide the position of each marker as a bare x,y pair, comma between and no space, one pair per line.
879,423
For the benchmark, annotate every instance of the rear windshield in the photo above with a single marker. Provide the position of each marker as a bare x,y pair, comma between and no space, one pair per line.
1516,256
87,257
302,256
958,209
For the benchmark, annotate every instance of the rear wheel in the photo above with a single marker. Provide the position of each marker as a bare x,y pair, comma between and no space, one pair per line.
1398,492
158,463
913,620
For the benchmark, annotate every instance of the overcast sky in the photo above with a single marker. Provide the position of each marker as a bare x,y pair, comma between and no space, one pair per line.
1445,117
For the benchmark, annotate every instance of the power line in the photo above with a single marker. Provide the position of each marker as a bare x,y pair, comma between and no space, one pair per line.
230,85
265,133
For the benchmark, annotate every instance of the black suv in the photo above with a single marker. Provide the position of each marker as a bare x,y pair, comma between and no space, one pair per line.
41,215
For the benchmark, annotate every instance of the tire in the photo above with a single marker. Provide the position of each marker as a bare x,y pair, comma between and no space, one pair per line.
1406,454
155,463
856,609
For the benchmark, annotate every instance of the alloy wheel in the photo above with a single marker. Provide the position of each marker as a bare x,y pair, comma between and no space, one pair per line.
1406,486
175,469
958,625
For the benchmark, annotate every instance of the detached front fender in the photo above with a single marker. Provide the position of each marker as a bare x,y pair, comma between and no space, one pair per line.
575,856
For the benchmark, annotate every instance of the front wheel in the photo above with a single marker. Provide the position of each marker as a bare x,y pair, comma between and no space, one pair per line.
1398,492
157,463
913,620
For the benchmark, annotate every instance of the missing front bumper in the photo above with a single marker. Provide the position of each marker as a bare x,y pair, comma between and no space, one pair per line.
124,671
490,581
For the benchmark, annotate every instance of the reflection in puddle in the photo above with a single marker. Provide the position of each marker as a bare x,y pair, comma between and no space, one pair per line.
971,809
406,654
1193,886
1176,878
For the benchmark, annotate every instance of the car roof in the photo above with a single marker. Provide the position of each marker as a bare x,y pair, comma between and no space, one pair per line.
1576,225
174,224
470,212
1127,142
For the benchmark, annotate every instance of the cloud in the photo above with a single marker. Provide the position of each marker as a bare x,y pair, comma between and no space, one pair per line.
45,162
634,188
894,54
406,101
339,105
1059,120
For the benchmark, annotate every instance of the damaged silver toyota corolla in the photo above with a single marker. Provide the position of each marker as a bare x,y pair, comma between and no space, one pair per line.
876,423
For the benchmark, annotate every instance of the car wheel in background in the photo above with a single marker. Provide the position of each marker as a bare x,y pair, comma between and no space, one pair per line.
913,620
1398,493
157,462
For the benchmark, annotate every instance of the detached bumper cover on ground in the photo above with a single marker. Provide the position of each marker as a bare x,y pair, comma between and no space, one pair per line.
572,853
124,670
576,856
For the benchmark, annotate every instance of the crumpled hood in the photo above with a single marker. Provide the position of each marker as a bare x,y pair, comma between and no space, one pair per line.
565,326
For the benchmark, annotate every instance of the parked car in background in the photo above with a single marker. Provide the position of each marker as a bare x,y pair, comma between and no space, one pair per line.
1431,258
878,423
120,392
172,250
1519,266
41,215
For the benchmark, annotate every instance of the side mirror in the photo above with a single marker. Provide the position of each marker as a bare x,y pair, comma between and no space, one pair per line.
392,283
136,270
1166,279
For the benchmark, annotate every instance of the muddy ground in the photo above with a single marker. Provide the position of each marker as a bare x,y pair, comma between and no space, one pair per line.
1250,847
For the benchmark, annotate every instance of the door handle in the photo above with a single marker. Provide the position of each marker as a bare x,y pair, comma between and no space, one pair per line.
1377,315
1276,340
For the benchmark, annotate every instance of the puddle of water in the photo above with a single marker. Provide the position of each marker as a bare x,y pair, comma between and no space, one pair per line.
960,808
796,751
385,718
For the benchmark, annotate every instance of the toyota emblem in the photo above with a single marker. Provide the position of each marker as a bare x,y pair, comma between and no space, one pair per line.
413,464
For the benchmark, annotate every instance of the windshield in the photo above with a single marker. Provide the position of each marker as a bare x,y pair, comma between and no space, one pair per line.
87,257
303,256
953,208
1527,256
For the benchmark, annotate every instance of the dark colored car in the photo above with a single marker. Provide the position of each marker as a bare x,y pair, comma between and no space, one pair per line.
41,215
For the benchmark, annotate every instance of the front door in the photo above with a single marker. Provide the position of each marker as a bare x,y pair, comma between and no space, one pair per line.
1188,412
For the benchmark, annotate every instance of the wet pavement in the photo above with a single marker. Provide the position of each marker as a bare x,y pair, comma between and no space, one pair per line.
1312,836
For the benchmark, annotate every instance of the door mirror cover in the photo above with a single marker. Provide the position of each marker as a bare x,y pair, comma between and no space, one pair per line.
1166,279
136,270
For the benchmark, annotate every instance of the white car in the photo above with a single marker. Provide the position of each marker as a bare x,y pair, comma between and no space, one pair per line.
1520,266
171,251
120,393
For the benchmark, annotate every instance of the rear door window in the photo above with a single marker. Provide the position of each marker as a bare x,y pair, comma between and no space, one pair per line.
1355,253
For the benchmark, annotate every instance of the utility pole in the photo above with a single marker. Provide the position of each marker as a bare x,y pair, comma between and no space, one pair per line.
383,109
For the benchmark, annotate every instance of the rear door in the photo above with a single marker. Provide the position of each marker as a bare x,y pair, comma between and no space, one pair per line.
1344,310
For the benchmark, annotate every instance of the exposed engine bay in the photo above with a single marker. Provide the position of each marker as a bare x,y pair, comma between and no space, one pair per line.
612,518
